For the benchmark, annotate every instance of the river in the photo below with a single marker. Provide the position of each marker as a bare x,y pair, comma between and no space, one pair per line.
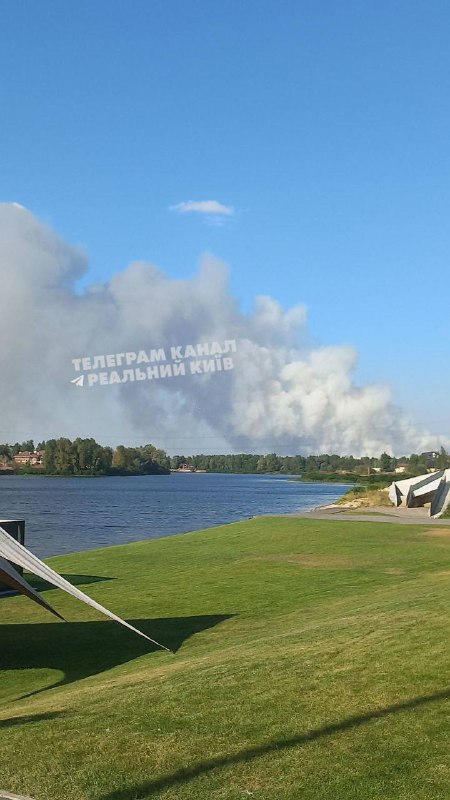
65,515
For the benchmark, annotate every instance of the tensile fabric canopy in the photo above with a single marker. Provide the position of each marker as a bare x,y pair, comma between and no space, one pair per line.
12,551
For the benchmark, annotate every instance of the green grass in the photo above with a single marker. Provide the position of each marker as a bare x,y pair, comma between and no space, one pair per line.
311,662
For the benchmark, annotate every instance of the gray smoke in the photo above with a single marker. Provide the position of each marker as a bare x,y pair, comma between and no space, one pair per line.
285,394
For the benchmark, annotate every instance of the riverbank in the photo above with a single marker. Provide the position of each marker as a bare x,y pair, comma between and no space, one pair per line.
372,504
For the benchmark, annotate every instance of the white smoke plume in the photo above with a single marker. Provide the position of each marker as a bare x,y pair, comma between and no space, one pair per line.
284,394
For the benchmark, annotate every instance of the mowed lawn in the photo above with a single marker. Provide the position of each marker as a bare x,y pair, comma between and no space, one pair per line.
311,661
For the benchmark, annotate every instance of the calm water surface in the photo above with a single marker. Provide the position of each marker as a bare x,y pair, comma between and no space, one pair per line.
65,515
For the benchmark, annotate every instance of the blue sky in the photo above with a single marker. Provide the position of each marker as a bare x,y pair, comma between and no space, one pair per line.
324,125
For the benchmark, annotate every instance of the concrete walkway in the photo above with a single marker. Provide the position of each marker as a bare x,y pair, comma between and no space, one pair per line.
402,516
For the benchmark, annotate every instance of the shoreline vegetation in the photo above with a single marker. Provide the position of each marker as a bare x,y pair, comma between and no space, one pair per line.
87,458
366,491
365,497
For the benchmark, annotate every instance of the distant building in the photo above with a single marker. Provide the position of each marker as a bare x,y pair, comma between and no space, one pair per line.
30,458
401,467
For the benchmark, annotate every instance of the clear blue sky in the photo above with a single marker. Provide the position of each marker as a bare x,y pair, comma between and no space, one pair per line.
324,124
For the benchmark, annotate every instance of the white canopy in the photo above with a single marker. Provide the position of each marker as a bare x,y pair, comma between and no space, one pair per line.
10,550
13,579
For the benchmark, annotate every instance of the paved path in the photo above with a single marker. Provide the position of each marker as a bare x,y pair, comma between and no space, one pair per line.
402,516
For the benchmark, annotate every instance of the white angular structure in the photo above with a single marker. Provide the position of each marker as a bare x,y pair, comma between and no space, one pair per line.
433,488
12,551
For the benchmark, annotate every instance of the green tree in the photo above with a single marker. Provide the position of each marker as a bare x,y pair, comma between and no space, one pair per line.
417,464
50,456
386,462
64,456
442,459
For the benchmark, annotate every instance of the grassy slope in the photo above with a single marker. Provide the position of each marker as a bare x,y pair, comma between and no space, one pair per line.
366,497
312,662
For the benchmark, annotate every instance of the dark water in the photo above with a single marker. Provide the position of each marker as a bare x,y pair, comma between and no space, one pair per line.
65,515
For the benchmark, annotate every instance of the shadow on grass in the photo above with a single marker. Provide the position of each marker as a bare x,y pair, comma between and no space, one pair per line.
81,649
76,580
147,789
14,722
43,586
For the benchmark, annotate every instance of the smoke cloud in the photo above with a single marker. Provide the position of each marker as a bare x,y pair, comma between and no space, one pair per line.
284,394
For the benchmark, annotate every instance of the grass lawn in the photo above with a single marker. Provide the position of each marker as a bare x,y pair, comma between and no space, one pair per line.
311,662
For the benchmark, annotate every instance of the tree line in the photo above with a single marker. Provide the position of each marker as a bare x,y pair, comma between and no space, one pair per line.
324,463
86,457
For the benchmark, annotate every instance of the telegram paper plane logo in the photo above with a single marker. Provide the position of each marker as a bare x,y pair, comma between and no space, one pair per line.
78,381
